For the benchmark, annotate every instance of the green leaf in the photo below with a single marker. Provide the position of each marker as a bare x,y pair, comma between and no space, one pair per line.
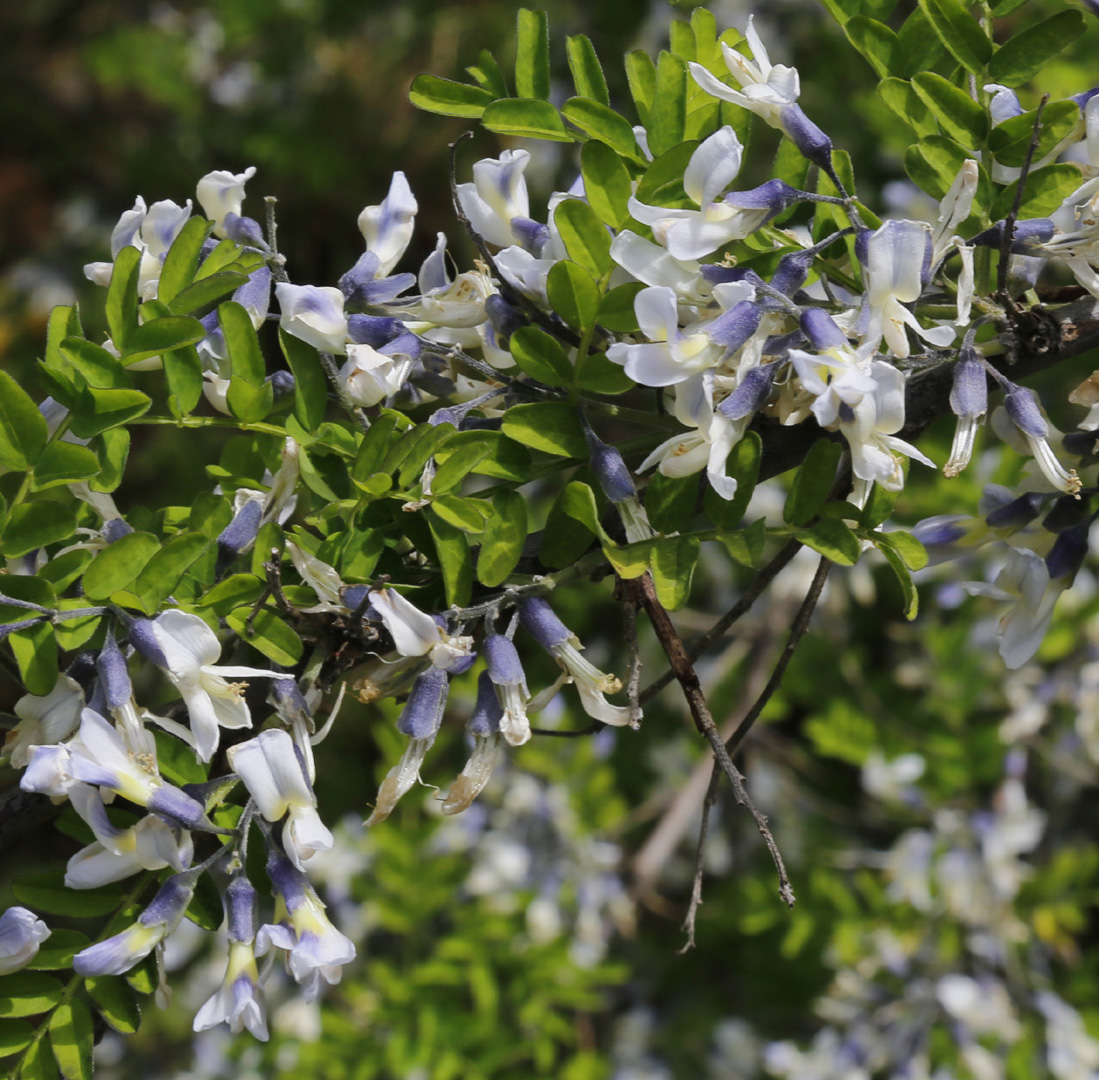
33,590
960,116
933,164
682,39
631,560
878,507
525,118
63,463
38,1062
71,1038
36,524
506,460
206,291
876,42
35,651
918,46
183,373
163,572
606,182
249,397
504,536
550,426
235,591
465,514
28,994
833,539
177,761
812,483
670,501
121,305
112,448
310,385
641,75
23,431
616,310
959,32
541,356
668,112
58,949
586,238
144,978
573,294
97,366
587,73
662,184
532,58
374,448
908,588
1045,190
458,465
14,1035
181,262
447,97
578,501
562,542
161,335
905,104
119,564
1023,56
673,565
452,549
115,1002
1010,140
746,545
602,123
269,634
488,74
602,376
99,410
743,465
912,553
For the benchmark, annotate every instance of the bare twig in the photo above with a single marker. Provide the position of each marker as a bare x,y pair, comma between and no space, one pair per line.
642,591
700,851
633,676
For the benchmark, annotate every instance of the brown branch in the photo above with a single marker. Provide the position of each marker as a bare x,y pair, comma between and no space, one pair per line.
642,592
696,885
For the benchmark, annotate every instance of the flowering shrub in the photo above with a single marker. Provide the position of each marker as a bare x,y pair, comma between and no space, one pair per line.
421,464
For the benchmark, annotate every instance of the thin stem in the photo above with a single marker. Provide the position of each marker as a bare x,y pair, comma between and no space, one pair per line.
696,887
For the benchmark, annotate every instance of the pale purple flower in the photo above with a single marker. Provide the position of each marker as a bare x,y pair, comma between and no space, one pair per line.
314,314
387,228
221,194
21,933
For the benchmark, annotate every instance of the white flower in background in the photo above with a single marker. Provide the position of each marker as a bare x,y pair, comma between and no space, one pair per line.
1076,236
891,780
497,196
314,314
275,777
387,228
189,648
221,193
21,933
44,721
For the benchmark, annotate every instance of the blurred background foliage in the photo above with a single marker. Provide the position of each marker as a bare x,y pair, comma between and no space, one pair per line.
537,934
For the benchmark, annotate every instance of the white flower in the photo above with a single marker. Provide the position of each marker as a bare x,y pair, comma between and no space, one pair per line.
190,648
387,228
415,633
44,721
497,196
237,1001
275,777
221,193
21,933
314,314
370,376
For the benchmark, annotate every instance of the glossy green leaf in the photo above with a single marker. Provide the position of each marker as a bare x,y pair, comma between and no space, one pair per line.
602,123
541,356
452,549
233,592
115,1002
911,551
310,384
743,465
71,1038
447,97
959,32
550,426
35,652
562,541
36,524
1010,140
374,448
249,397
525,118
662,184
1028,52
504,536
176,760
181,262
57,951
587,73
960,116
681,39
505,460
99,410
121,304
876,42
904,578
463,513
161,335
160,576
616,309
704,27
112,448
63,463
117,565
918,46
38,1062
606,182
673,563
878,507
813,482
183,373
641,75
268,634
458,465
668,112
905,104
28,993
746,545
97,366
598,375
532,59
35,589
23,431
631,560
573,294
62,571
1044,191
203,293
578,501
144,978
488,74
14,1036
832,539
587,239
670,501
933,164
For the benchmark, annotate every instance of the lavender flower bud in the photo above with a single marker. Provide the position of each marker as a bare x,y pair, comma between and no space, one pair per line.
1068,553
282,385
373,330
735,326
806,136
170,802
1024,238
239,535
240,909
288,701
505,317
424,708
143,638
751,394
1022,407
792,271
821,330
542,624
1066,513
115,529
609,468
113,674
171,900
1017,513
941,530
245,231
969,393
502,659
487,711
